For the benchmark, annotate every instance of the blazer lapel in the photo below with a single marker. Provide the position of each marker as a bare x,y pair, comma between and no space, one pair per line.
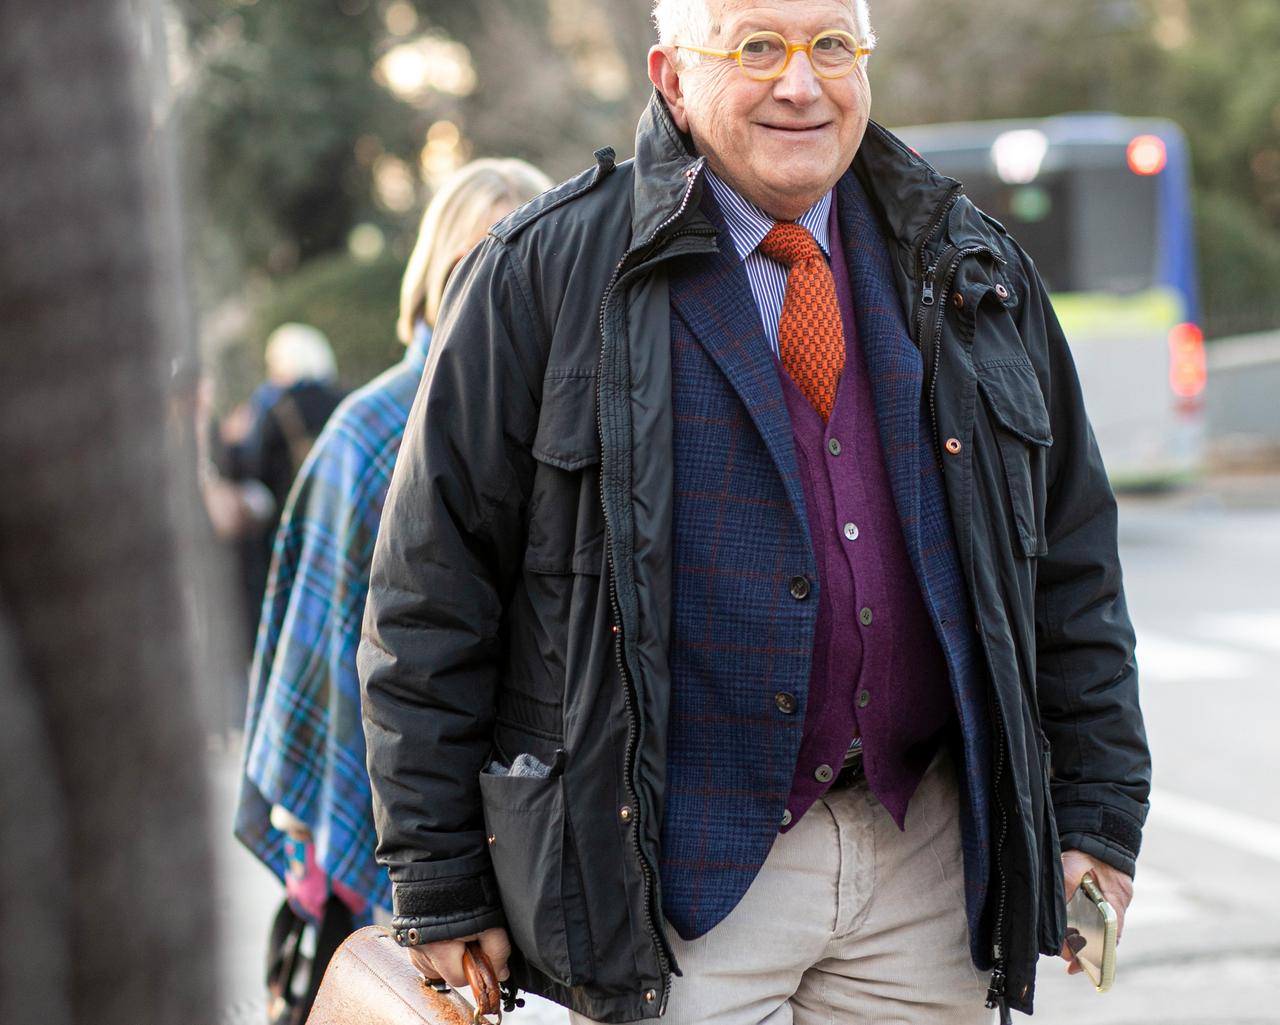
893,362
712,295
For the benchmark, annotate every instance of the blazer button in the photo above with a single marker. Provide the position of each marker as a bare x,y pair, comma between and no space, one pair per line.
799,588
786,702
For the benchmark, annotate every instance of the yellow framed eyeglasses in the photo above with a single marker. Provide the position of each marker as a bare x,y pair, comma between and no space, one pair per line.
766,55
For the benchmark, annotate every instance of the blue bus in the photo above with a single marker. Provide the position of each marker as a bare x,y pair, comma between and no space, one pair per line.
1102,204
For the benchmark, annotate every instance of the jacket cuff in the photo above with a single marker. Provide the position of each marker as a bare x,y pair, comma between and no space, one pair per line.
410,931
1102,832
445,907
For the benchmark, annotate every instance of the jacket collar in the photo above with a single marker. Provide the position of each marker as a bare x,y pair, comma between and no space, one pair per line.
668,181
909,194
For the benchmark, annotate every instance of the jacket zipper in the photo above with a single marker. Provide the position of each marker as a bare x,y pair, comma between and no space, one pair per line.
996,996
632,697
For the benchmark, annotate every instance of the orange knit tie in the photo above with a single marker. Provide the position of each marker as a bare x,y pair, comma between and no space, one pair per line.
810,332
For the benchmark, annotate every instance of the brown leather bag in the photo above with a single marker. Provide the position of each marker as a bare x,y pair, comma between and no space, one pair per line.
371,981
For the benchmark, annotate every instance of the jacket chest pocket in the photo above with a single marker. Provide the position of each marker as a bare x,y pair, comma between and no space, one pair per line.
566,521
1020,424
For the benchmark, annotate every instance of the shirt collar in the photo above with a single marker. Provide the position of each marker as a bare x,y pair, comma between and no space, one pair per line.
748,224
416,350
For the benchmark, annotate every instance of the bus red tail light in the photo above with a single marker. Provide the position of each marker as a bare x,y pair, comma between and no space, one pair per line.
1147,155
1188,371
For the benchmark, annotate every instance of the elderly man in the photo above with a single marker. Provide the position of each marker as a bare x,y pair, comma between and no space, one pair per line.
746,637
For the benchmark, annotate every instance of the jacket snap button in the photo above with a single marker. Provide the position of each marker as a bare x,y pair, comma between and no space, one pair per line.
492,839
799,588
650,996
413,937
953,446
957,300
1002,292
624,813
786,702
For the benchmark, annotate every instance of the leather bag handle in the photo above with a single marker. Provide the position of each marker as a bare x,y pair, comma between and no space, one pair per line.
483,981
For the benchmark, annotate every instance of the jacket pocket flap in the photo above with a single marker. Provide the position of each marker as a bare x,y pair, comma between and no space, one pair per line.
1014,397
566,436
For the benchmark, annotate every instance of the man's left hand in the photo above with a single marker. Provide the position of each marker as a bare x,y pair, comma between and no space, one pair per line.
1116,887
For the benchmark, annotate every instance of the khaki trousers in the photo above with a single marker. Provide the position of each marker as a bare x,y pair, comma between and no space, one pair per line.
849,921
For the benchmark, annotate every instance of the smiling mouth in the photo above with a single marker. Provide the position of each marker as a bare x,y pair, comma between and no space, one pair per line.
796,129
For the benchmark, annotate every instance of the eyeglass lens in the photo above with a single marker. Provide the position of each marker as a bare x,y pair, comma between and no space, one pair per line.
763,54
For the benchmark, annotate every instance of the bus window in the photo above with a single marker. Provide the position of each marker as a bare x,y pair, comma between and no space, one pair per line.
1092,230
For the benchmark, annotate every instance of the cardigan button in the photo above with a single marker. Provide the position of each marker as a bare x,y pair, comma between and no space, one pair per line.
864,698
786,818
824,774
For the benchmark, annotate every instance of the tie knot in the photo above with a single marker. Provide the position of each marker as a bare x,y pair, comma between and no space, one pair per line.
789,243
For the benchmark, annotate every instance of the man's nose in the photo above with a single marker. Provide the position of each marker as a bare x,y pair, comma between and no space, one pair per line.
798,83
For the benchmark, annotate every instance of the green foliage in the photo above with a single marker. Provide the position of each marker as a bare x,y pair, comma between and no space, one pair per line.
1243,266
278,96
355,304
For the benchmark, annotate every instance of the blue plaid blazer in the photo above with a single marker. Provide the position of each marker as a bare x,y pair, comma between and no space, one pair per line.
741,534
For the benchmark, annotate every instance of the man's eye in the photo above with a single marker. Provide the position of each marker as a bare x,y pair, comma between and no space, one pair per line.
832,44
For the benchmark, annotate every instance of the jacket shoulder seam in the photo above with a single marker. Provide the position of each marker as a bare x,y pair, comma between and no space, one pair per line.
507,229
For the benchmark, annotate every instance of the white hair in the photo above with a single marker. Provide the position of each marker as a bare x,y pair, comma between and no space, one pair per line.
297,352
691,21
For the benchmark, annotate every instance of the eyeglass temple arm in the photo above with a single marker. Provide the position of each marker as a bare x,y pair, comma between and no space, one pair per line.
708,52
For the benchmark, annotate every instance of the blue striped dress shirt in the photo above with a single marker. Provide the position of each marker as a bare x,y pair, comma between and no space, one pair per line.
748,225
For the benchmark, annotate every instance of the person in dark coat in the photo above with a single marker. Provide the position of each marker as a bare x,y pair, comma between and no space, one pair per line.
280,423
746,639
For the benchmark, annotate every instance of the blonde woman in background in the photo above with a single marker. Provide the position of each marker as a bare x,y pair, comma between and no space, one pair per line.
304,805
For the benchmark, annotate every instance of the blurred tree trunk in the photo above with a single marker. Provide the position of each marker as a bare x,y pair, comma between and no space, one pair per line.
105,888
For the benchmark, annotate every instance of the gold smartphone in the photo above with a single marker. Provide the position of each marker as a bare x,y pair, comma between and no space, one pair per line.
1093,919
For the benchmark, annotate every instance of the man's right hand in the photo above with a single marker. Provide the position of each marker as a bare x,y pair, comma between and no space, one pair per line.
443,959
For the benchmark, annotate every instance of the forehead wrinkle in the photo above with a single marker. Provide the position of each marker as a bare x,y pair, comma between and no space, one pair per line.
758,17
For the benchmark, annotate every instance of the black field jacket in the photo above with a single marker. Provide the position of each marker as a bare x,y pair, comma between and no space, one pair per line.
521,584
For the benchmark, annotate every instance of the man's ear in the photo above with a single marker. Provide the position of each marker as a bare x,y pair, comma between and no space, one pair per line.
665,77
